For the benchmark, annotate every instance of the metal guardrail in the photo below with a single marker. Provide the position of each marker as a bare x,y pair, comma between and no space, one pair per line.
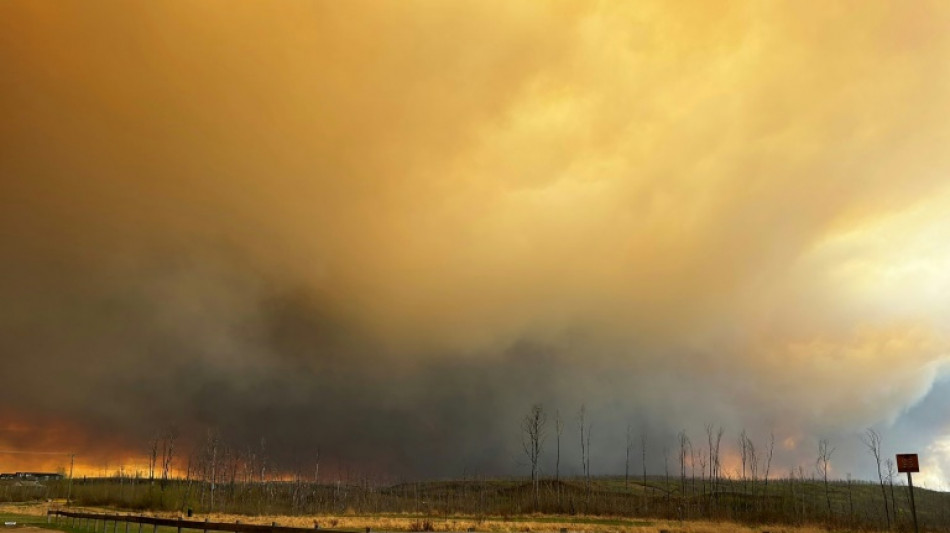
84,520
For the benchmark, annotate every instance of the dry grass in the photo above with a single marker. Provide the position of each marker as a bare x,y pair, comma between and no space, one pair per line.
549,524
30,509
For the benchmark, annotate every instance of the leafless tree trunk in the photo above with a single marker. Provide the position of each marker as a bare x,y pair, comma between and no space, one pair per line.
744,458
821,464
753,459
890,481
189,471
768,462
585,428
152,456
643,462
168,454
532,441
626,467
210,460
703,461
666,470
262,462
684,445
714,465
558,429
872,440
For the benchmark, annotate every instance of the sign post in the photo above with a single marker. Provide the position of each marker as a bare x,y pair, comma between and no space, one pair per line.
907,462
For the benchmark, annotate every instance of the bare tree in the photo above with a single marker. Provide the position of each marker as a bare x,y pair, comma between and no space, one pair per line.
684,450
872,440
263,502
643,461
744,458
212,451
585,428
169,438
822,465
558,429
768,461
753,460
703,460
666,471
532,441
262,462
626,467
153,444
891,472
714,441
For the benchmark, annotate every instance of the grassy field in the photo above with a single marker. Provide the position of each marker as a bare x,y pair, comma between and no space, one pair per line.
34,515
609,505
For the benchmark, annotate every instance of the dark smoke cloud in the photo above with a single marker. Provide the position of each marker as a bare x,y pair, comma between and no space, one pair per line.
387,230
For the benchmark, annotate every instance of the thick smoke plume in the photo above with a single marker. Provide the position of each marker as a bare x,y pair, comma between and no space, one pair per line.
386,230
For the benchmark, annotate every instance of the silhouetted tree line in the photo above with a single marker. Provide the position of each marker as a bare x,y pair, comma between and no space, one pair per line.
218,478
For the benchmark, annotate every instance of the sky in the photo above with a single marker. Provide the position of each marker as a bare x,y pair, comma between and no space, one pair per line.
385,230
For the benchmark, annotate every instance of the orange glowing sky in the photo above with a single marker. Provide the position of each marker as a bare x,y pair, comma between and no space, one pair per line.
747,202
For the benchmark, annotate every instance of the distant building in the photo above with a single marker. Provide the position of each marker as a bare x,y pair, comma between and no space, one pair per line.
32,476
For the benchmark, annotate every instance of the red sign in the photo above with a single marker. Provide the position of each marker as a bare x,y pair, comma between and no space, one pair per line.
907,462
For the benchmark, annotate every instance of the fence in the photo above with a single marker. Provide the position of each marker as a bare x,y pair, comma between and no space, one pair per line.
82,520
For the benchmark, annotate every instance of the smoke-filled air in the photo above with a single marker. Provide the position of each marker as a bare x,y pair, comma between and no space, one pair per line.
382,231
